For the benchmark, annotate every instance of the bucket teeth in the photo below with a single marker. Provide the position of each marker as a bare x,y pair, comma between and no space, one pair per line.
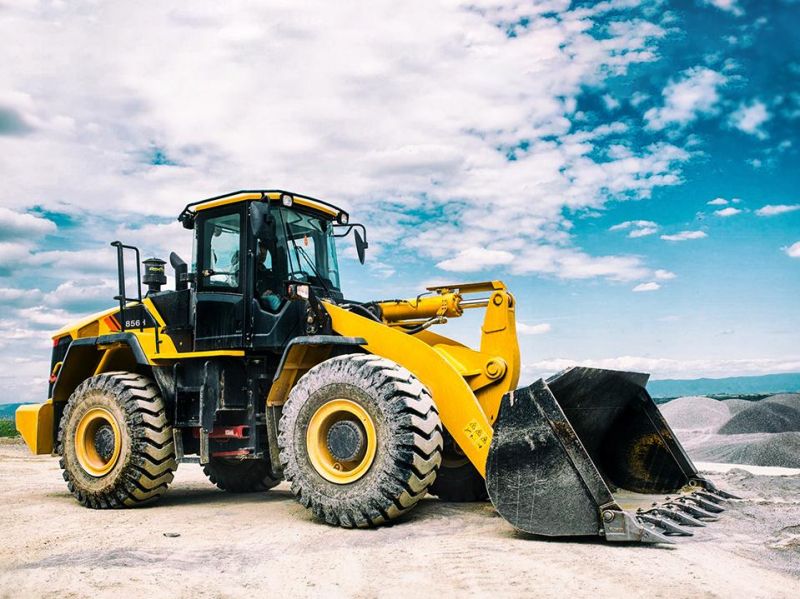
695,510
625,526
725,494
711,496
665,524
704,503
651,534
678,514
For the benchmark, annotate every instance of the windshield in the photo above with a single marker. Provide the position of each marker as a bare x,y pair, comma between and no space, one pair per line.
310,244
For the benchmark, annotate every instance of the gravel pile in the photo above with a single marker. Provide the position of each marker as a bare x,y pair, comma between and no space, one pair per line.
763,417
736,405
759,449
696,413
737,431
785,399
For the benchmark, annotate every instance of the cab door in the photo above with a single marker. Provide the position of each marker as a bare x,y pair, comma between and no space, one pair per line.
219,305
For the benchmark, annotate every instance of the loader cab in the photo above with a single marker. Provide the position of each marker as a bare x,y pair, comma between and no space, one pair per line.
248,258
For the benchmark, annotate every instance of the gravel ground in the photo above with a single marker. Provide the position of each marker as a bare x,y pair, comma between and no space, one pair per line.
761,433
230,546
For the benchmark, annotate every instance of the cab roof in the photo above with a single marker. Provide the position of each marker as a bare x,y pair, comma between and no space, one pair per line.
189,213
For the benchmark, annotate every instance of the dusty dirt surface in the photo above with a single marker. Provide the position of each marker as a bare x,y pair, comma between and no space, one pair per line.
266,544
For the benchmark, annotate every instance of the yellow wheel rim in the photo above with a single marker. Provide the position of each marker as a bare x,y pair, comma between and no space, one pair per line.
329,466
96,429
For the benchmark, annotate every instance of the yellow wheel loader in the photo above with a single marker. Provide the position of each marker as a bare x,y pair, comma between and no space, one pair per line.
259,368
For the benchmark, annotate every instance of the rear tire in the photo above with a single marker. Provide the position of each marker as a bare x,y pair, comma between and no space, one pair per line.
115,442
240,476
360,440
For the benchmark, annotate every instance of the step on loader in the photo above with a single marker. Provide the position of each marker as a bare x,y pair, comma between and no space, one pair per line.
257,366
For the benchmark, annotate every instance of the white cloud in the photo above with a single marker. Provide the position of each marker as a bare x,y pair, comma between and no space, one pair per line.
660,368
13,255
638,228
684,236
729,211
651,286
77,295
693,95
610,102
749,118
718,202
345,77
793,251
664,275
776,209
49,318
25,379
19,225
475,259
10,296
533,329
71,263
19,233
568,263
731,6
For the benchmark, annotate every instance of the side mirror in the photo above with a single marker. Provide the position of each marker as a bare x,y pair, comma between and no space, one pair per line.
261,222
361,246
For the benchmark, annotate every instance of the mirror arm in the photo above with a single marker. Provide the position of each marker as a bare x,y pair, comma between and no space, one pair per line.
348,228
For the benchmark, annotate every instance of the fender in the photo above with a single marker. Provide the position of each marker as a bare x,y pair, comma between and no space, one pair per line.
300,355
89,356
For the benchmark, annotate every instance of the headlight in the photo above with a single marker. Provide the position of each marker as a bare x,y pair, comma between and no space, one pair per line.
287,200
343,218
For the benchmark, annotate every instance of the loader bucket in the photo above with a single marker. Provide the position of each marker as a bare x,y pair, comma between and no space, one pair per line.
587,452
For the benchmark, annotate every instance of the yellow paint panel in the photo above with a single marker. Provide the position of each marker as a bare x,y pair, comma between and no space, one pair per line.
257,196
35,423
73,327
173,355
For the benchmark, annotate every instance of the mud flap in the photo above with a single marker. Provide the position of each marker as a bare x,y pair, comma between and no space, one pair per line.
587,452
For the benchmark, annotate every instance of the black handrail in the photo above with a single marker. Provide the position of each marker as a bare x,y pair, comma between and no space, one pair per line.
122,297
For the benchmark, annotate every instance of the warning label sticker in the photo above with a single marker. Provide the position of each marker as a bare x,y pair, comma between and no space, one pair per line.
476,434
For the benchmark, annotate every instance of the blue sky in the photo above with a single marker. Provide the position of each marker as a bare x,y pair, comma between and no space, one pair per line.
630,169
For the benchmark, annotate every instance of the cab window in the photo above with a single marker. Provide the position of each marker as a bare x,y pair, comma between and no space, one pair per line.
221,244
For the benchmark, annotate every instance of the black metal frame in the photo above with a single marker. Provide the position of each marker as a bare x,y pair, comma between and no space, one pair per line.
122,296
187,215
348,228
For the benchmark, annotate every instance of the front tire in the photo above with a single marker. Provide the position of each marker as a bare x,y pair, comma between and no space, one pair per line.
115,442
240,476
458,480
360,440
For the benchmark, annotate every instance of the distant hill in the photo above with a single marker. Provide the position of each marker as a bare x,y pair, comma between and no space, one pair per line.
736,385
